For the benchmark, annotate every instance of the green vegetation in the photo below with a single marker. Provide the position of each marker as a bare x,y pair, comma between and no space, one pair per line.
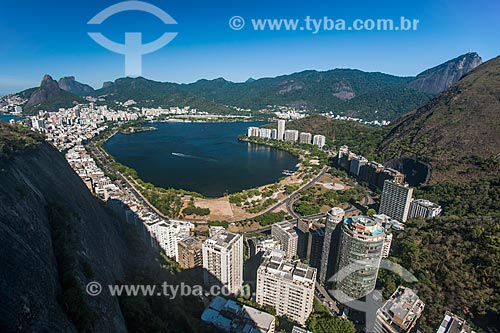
456,261
223,224
456,257
169,264
193,210
316,91
311,200
304,152
362,139
16,138
457,133
148,93
476,198
270,218
321,321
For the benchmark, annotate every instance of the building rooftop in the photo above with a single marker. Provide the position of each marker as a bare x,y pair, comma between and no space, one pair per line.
364,225
229,316
222,238
191,242
287,227
454,324
276,263
403,308
426,203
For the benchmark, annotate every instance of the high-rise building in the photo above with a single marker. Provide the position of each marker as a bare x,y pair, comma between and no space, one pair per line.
331,243
356,164
291,135
315,247
305,138
395,200
400,313
223,260
190,253
253,132
281,129
319,140
286,234
389,174
344,158
168,234
287,286
265,133
362,240
387,245
274,134
423,208
228,316
454,324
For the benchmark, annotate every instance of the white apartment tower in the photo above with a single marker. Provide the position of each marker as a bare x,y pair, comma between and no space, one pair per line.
319,140
395,200
305,138
285,233
423,208
223,260
286,286
281,129
291,135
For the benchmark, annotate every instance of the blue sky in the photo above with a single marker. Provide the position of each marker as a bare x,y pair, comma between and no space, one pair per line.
40,37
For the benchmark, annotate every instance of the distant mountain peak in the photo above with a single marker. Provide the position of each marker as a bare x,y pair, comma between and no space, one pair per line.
70,84
49,96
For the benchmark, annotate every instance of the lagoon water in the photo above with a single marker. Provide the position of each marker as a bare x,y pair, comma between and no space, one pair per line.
201,157
8,117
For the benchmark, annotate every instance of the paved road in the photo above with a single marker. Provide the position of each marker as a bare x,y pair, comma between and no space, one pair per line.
268,228
327,300
103,159
292,195
288,201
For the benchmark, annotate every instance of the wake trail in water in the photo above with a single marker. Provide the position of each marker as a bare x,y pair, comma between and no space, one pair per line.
195,157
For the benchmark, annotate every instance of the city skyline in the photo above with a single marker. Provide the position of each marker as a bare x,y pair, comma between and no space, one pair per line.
204,36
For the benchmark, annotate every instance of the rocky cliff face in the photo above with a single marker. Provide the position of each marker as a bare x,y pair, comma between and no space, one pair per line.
71,85
49,97
56,238
48,89
440,78
33,187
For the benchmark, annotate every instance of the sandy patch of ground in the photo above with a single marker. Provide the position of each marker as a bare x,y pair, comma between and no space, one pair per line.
332,186
220,209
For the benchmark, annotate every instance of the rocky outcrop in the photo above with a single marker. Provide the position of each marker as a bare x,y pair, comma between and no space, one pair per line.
343,91
34,275
49,89
49,97
71,85
56,237
440,78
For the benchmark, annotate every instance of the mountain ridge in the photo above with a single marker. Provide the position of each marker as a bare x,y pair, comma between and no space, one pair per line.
350,92
456,132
